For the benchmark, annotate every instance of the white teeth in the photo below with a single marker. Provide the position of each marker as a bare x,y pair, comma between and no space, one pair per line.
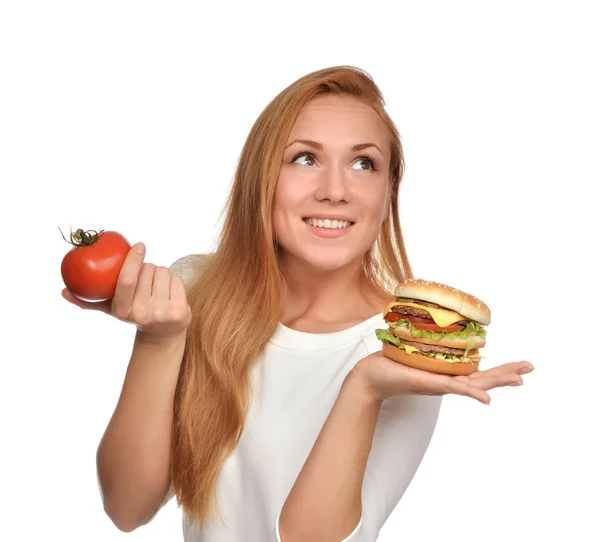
327,223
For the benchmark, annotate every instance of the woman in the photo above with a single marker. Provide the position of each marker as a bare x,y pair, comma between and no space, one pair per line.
257,393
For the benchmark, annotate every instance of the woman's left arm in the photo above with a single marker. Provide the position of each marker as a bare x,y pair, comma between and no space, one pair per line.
361,464
325,501
371,446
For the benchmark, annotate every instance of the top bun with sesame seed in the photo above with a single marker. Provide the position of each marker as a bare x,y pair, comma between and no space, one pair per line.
445,297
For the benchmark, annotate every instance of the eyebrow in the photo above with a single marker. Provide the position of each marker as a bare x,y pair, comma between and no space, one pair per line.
319,146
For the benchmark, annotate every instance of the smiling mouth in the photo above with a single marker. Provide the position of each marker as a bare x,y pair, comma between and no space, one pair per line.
328,223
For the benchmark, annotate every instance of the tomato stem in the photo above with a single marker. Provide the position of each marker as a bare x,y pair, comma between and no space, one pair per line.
81,237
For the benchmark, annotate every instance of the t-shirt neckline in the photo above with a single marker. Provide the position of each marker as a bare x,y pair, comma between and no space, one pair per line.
286,337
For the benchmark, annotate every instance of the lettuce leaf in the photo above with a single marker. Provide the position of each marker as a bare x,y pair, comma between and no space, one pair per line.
385,336
469,344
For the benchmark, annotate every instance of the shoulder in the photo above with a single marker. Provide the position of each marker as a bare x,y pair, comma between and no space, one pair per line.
369,339
187,267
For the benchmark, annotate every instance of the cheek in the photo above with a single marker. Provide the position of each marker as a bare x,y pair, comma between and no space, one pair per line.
286,203
375,201
288,197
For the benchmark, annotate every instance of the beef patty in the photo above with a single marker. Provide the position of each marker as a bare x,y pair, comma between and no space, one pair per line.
437,349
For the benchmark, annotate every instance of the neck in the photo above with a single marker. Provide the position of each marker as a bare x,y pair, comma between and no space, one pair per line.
322,296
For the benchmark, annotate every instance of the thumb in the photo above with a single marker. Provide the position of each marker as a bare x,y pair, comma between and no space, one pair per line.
103,306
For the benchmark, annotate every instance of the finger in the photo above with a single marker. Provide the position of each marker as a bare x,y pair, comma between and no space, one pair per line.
519,367
428,383
177,292
528,368
488,382
103,306
128,279
143,288
161,286
460,387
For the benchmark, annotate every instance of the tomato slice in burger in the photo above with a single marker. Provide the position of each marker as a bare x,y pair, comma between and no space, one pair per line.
425,324
435,327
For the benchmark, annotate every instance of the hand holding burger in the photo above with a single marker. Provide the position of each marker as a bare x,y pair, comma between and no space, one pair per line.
434,338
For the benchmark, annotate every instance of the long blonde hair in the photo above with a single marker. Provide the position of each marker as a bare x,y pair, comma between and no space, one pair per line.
237,299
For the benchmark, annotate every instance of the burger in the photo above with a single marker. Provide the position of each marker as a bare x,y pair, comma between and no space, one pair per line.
435,328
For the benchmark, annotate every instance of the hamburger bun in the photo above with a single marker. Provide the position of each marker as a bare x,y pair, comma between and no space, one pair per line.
445,296
429,364
403,333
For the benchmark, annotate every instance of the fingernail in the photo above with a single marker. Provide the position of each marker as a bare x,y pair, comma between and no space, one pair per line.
526,370
139,247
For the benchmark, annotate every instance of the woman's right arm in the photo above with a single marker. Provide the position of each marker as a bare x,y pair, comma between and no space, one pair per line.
134,454
133,457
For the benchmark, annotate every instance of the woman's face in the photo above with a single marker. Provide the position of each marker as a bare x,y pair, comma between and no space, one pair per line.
332,192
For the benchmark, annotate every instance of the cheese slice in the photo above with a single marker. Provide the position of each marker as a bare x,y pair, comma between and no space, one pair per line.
442,317
410,349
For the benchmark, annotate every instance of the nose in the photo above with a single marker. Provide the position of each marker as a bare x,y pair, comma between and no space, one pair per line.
333,185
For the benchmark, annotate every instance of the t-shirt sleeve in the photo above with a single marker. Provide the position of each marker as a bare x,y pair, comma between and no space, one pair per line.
402,435
188,267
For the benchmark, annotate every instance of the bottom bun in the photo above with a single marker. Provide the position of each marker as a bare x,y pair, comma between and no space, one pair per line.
429,364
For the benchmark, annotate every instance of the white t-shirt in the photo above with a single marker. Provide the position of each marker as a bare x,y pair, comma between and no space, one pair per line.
295,384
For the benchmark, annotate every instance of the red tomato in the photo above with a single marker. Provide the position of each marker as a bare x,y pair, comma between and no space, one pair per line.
426,324
91,268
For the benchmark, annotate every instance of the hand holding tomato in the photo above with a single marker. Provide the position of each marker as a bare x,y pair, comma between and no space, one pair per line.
108,275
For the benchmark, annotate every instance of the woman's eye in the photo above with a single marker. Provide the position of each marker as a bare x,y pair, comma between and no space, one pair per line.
365,161
304,156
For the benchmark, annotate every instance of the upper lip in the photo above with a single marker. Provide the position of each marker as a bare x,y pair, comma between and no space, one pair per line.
323,216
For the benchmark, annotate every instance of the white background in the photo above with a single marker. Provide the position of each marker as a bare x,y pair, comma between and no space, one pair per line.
131,116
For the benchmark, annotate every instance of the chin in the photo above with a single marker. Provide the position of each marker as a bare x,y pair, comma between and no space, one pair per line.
326,259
